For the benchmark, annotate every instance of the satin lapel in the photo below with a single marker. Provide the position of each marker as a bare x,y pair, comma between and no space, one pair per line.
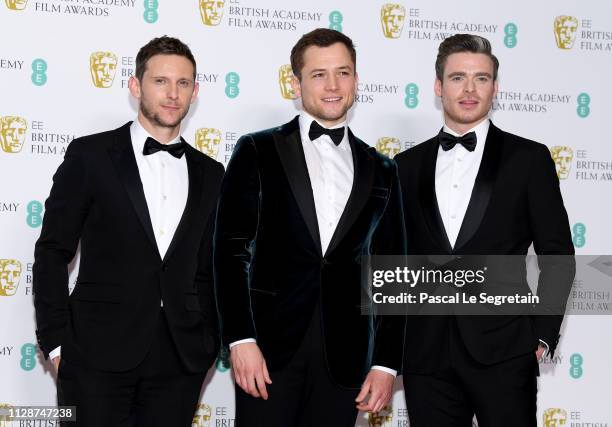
122,156
431,210
291,153
194,195
483,187
362,184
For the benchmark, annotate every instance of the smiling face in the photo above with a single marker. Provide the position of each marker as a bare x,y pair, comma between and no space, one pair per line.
328,83
165,93
467,90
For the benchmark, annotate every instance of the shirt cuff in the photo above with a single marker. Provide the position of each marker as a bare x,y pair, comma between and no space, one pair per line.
241,342
387,370
546,346
55,352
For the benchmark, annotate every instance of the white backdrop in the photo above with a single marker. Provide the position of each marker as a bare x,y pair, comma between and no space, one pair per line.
555,58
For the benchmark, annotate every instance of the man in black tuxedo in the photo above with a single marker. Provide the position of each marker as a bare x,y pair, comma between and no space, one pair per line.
139,331
475,189
300,205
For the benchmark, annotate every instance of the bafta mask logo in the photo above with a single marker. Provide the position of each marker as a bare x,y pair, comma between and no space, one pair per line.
388,146
102,66
10,274
565,31
555,417
285,77
16,4
211,12
383,418
12,133
207,140
392,18
203,416
563,160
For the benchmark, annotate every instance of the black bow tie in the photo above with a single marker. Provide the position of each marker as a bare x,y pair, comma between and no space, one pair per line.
151,146
316,130
448,141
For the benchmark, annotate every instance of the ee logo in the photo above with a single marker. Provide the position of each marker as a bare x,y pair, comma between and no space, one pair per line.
579,237
231,89
39,72
335,21
34,217
584,101
28,357
412,91
576,361
510,31
150,11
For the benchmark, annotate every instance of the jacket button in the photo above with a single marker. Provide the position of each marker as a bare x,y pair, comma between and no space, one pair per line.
164,267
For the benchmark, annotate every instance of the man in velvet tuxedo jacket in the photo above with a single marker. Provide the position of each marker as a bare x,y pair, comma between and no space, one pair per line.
300,204
475,189
139,331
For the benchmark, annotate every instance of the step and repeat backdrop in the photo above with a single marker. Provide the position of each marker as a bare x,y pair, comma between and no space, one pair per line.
64,68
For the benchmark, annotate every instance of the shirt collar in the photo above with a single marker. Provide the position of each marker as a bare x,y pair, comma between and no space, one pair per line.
139,135
481,130
306,119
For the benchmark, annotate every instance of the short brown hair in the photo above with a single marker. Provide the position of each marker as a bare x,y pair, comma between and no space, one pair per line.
162,46
321,37
464,43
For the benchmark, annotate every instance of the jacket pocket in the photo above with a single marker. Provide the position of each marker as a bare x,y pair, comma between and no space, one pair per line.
98,293
379,192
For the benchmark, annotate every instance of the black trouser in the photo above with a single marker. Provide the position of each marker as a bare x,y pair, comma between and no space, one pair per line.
302,394
158,392
499,395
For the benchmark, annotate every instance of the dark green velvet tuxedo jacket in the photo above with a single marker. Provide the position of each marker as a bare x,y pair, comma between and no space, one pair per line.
270,272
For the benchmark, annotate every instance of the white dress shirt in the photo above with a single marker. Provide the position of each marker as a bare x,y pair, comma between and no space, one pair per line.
165,182
330,169
456,171
331,172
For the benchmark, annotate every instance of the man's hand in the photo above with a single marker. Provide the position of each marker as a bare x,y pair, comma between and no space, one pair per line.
540,352
56,362
379,385
250,369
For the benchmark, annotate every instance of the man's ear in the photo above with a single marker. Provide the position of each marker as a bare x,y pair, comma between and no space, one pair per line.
296,86
134,87
438,87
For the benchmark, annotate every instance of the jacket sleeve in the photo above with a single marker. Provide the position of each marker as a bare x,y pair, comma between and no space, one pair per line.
65,212
390,239
234,241
553,244
204,274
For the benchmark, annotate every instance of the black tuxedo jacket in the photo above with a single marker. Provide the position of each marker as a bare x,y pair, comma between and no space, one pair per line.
110,319
516,201
270,272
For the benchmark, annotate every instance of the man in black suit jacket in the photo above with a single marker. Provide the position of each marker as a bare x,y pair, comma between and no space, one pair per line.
475,189
300,205
139,331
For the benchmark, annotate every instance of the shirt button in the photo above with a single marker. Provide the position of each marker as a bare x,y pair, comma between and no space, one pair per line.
453,216
162,232
331,224
459,159
164,197
163,165
455,186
